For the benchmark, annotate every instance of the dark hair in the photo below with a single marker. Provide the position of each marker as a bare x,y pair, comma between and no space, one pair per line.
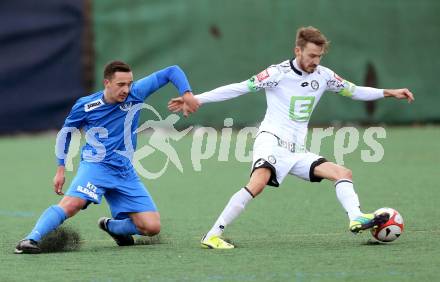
313,35
115,66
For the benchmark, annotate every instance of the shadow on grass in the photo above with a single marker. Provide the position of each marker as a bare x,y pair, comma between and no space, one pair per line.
372,242
145,240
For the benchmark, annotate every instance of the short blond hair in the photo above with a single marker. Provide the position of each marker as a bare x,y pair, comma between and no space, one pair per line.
313,35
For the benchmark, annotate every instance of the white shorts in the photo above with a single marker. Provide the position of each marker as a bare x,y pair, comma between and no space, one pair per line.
271,152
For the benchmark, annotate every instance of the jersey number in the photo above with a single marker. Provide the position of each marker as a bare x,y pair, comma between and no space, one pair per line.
301,108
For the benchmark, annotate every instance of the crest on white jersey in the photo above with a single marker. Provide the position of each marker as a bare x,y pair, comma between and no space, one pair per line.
314,84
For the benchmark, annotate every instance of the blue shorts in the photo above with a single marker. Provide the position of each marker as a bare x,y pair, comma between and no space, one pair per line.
122,189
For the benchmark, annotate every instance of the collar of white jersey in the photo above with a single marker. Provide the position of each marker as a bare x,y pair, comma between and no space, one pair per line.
294,66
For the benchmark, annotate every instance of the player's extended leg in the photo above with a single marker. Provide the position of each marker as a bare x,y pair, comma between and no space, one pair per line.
133,210
235,206
139,223
348,198
148,223
49,220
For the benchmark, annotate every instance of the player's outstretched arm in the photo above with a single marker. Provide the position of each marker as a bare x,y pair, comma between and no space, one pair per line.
222,93
362,93
268,78
402,93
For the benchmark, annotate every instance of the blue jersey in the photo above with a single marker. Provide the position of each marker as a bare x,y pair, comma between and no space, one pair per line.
104,123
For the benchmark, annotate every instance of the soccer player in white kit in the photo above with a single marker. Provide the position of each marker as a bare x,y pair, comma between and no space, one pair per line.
293,89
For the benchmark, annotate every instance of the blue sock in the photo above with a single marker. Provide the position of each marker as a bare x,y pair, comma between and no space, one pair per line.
122,227
51,218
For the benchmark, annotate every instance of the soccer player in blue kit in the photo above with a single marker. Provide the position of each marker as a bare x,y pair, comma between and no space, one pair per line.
104,170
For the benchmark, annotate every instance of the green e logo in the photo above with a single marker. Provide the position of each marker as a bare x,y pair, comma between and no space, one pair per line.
301,107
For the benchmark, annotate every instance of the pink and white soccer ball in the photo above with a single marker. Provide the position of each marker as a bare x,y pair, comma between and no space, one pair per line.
390,230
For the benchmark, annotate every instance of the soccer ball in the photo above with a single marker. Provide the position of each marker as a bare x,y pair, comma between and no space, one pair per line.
390,230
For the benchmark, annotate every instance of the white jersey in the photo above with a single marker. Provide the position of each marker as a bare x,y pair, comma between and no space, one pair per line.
291,96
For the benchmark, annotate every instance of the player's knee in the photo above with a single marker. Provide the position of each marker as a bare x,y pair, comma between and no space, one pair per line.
71,206
258,181
154,229
149,229
344,173
71,209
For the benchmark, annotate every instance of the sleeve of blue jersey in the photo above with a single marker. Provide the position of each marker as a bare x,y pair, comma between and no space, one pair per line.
174,74
74,119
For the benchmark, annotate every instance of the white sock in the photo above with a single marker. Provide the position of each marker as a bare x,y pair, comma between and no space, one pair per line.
348,198
235,206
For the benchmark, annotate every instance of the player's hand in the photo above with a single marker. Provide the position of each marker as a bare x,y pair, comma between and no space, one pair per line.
175,105
403,93
58,180
191,104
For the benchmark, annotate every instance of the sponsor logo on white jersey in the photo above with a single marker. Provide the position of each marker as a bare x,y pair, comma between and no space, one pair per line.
263,75
93,105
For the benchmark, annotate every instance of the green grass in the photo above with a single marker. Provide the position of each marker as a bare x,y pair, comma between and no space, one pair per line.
297,232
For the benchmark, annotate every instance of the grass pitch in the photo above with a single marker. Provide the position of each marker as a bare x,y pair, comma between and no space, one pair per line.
297,232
